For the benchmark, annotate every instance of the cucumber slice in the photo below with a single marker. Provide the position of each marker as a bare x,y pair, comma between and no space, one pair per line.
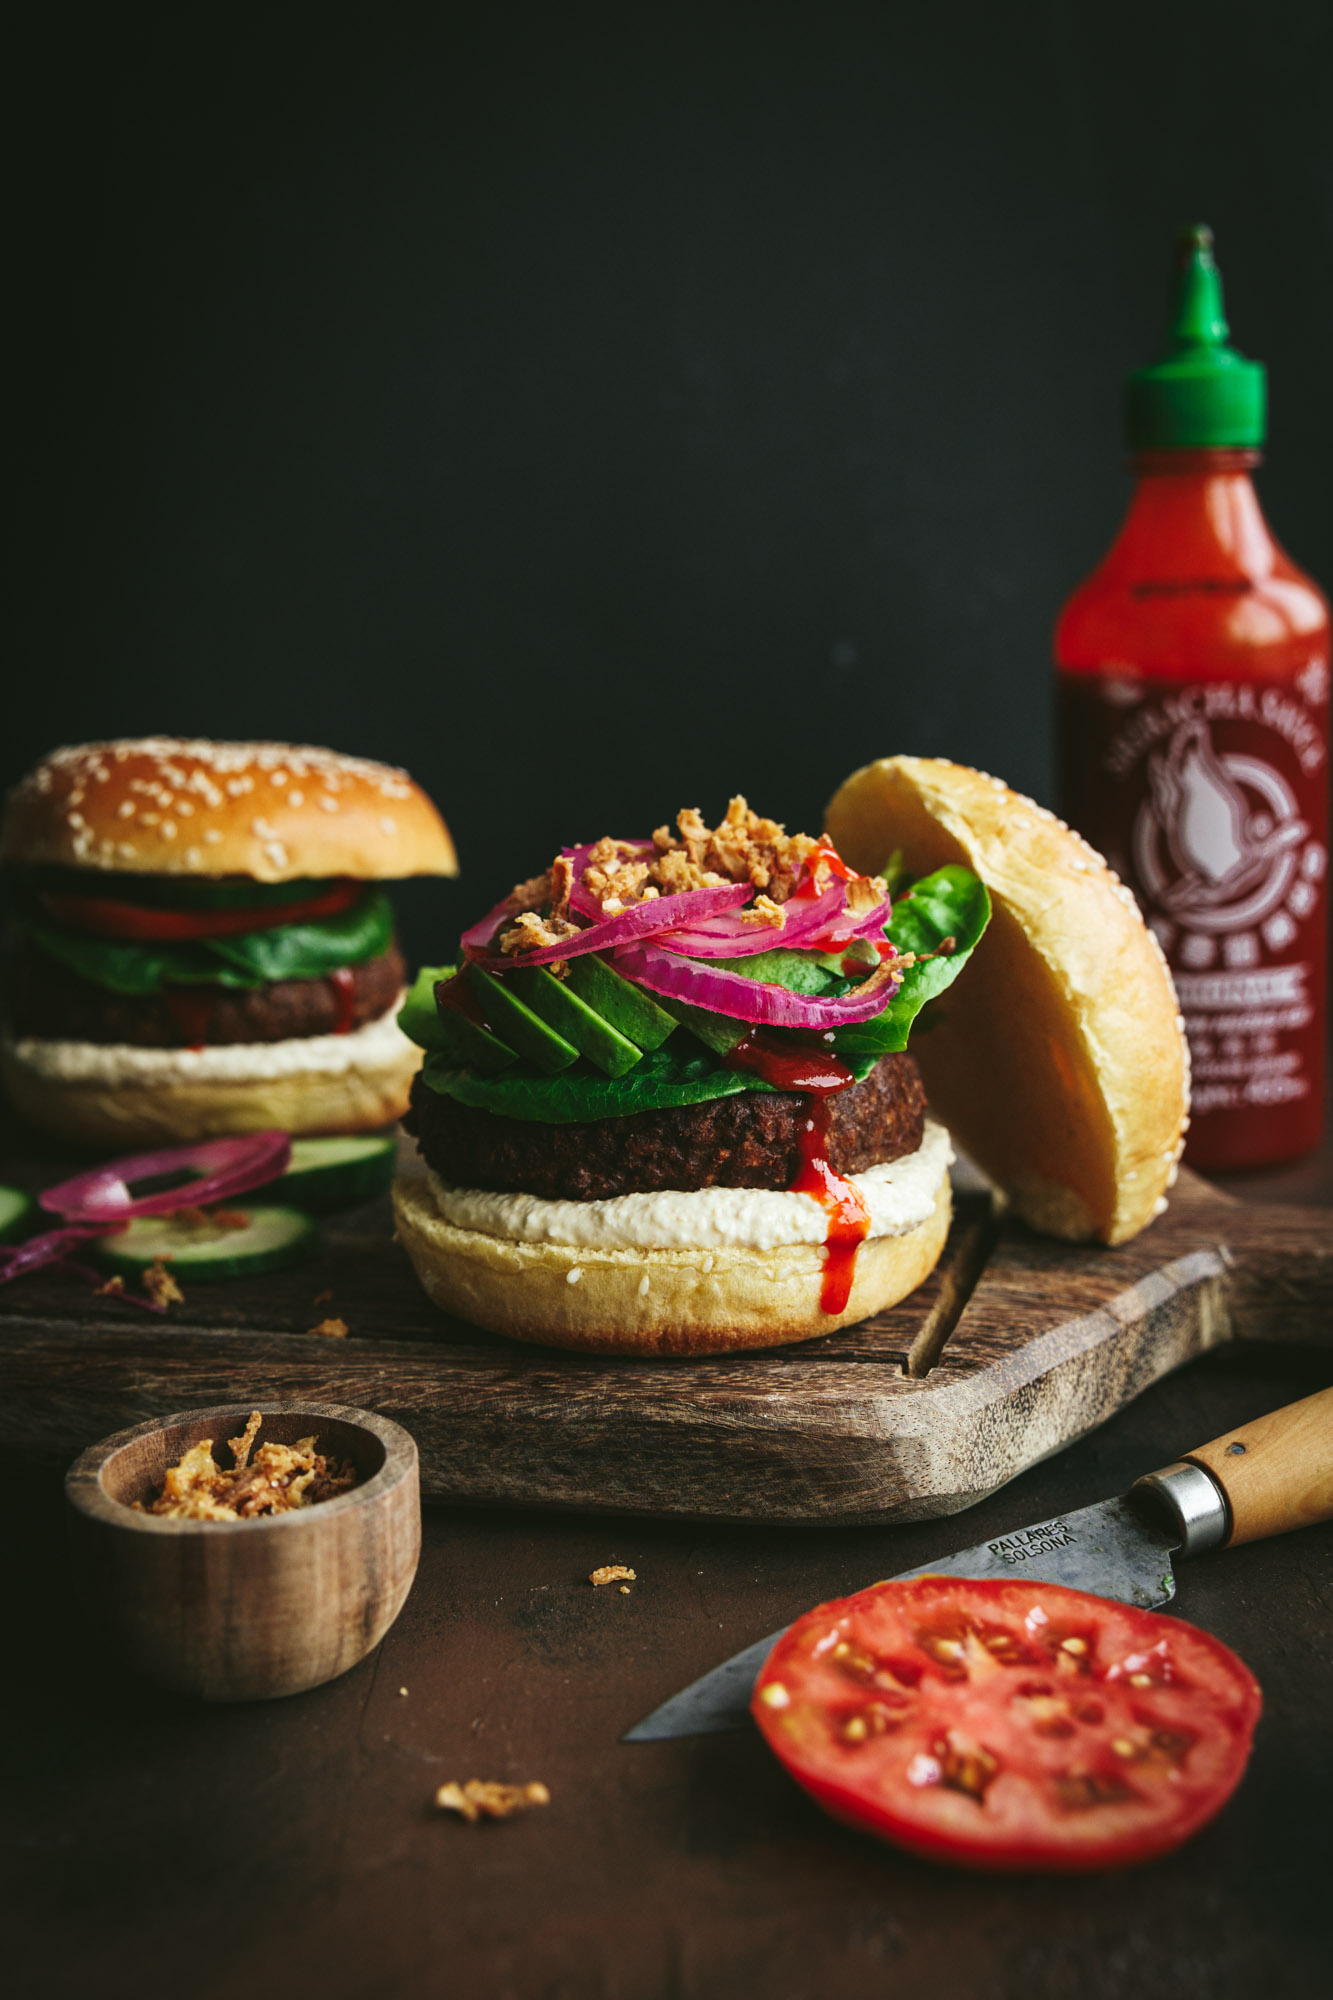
270,1240
594,1037
334,1173
15,1208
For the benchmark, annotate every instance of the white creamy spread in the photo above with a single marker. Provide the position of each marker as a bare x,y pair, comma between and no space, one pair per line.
379,1042
898,1195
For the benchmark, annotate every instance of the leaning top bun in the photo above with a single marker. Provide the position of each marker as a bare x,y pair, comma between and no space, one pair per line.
1060,1060
162,805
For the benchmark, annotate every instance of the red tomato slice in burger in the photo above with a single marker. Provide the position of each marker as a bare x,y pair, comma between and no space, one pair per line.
143,923
1008,1725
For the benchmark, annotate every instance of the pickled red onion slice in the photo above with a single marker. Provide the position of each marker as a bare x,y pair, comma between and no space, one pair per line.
755,1000
225,1167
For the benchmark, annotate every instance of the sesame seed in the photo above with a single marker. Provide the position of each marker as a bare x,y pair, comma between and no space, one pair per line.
125,810
388,826
296,798
168,829
329,803
643,1287
573,1275
212,836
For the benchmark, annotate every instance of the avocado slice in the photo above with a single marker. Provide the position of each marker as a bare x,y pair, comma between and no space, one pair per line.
529,1034
579,1023
445,1032
716,1031
629,1010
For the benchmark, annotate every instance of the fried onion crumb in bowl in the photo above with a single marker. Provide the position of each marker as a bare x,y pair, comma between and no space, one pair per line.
257,1600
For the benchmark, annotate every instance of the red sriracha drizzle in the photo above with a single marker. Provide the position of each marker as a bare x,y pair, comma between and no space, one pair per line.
819,1075
343,982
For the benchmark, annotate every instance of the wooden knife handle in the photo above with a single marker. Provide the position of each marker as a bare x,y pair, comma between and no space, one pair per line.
1276,1473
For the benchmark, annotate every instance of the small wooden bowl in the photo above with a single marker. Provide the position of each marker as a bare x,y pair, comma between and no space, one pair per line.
246,1610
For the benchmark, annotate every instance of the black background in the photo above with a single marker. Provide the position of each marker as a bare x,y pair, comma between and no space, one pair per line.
600,409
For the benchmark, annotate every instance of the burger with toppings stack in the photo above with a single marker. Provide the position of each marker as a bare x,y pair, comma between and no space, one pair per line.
200,942
667,1106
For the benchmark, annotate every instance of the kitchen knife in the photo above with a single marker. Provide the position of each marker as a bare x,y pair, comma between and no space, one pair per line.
1273,1474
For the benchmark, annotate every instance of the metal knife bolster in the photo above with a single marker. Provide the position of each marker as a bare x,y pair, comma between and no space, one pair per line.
1193,1502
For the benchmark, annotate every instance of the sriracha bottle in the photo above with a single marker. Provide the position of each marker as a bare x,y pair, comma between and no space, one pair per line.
1193,670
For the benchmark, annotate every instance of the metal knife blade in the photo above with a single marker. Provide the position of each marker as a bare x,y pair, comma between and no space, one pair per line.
1111,1548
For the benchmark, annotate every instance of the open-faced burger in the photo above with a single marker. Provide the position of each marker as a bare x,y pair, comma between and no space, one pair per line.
200,942
667,1104
667,1107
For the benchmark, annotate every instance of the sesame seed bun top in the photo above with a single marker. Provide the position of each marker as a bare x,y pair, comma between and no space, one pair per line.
1059,1059
163,805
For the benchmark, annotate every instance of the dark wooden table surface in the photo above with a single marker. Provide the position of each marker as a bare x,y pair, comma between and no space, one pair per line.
153,1844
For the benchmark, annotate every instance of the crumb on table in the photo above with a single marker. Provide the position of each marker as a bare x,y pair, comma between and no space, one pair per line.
160,1286
613,1573
479,1799
331,1329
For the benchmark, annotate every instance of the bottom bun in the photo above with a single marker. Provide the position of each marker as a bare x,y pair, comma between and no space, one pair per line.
664,1302
115,1098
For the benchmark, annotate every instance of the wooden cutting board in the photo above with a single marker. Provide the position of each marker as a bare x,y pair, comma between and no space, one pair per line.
1014,1347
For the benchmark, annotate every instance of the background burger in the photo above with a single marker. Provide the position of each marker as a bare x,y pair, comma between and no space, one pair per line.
667,1105
199,944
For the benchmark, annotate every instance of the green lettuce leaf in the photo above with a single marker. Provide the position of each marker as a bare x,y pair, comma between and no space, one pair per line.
950,903
680,1072
309,950
811,972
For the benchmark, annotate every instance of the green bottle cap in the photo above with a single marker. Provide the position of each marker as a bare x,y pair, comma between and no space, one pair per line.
1203,393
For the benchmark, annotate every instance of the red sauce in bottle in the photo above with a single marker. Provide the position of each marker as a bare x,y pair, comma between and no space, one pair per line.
1194,741
343,982
190,1008
819,1075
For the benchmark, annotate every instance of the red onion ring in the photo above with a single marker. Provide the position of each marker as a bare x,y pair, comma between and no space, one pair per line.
580,902
17,1260
725,937
742,999
229,1166
640,920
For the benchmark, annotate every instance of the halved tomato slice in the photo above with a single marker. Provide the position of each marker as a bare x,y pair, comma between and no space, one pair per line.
145,923
1008,1725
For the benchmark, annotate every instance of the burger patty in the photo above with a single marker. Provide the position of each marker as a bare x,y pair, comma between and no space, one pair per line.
47,999
749,1140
